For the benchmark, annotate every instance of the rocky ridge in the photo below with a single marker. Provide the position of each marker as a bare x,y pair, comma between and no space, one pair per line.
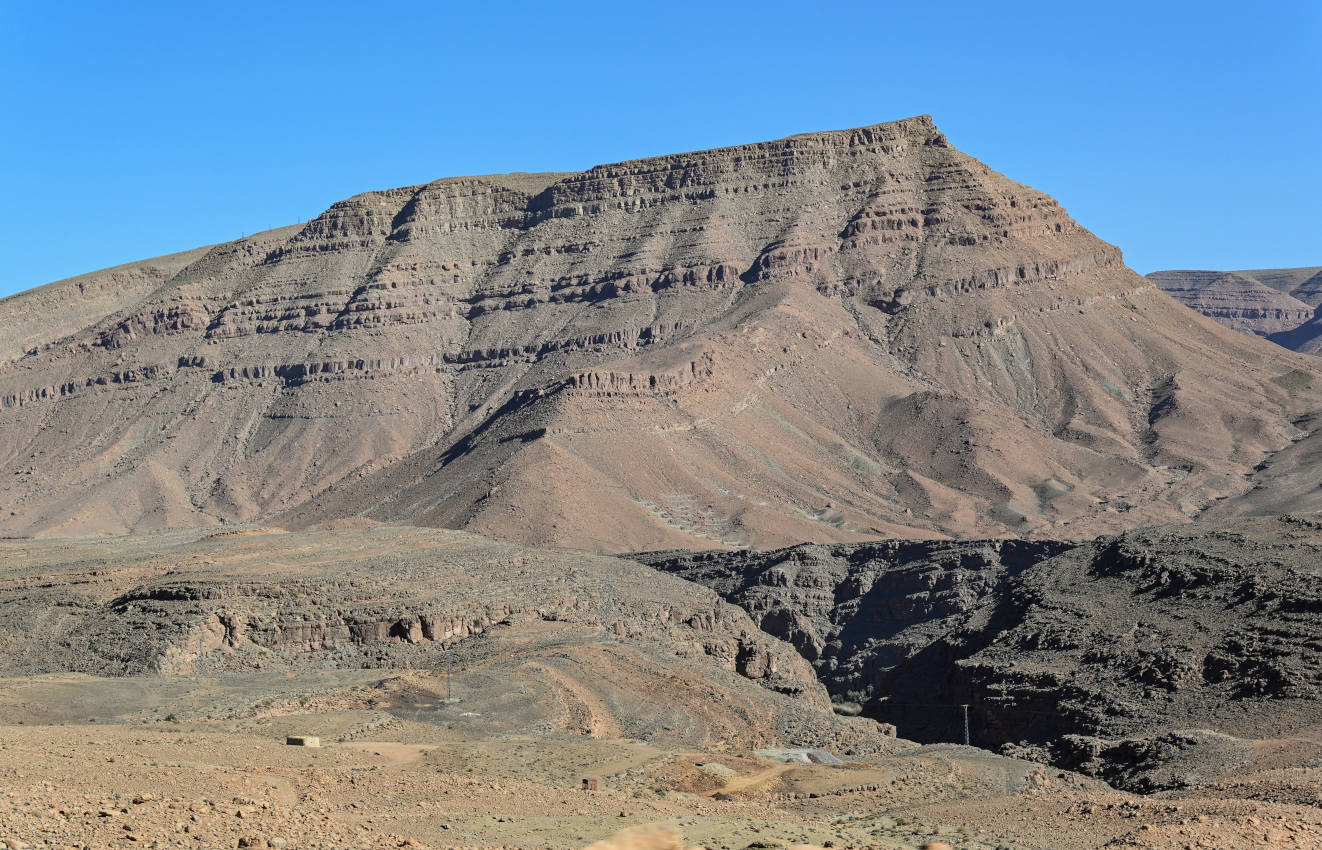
857,610
1154,658
1279,304
559,640
834,336
189,602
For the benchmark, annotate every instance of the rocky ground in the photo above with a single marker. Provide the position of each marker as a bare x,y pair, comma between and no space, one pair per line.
1160,658
462,691
217,774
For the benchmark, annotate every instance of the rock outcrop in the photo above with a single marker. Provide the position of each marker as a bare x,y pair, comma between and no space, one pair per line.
579,643
1151,658
834,336
189,602
857,610
1207,626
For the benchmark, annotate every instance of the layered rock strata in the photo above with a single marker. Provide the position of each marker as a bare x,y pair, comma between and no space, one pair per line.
832,337
189,602
1279,304
1149,658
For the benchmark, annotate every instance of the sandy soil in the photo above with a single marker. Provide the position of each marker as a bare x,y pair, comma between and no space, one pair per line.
131,778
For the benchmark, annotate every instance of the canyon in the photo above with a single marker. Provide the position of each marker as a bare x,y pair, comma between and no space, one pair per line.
1087,654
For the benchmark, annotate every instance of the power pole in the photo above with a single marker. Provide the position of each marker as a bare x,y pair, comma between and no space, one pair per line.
608,612
965,706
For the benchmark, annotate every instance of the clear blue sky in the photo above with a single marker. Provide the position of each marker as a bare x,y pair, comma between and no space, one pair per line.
1188,133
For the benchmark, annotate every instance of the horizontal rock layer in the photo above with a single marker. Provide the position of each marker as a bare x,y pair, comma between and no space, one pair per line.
188,602
1276,303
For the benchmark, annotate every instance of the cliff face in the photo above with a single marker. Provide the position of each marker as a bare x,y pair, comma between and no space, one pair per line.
1204,626
194,601
827,337
1100,656
858,610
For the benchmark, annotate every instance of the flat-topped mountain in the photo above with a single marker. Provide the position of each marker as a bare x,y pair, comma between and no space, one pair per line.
1276,303
828,337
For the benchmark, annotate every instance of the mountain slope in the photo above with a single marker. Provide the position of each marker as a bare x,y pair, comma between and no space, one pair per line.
1238,302
828,337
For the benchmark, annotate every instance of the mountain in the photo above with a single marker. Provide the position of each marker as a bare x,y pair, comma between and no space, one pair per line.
1279,304
829,337
1238,302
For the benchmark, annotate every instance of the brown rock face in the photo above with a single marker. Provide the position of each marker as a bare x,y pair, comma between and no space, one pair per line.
1152,659
858,610
825,337
1209,626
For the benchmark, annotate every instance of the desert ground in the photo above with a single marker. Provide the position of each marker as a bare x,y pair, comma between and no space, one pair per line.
201,761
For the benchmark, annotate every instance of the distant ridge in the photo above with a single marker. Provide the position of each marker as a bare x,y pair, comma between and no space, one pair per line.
1279,304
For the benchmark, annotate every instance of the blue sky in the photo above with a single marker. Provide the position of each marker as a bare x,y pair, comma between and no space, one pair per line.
1186,133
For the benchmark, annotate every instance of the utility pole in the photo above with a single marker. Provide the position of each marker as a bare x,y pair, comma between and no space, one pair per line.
965,706
608,612
448,699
